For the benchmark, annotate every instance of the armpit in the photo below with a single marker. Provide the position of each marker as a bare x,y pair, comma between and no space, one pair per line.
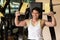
27,22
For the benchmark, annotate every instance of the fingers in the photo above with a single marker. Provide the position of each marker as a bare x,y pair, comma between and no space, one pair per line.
51,14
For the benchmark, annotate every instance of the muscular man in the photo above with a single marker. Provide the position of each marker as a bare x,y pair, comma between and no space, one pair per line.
35,25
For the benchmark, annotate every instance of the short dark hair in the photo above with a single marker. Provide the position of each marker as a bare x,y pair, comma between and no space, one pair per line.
37,9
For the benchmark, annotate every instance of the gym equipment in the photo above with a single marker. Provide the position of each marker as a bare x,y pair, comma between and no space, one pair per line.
48,8
2,8
24,10
7,22
3,21
52,31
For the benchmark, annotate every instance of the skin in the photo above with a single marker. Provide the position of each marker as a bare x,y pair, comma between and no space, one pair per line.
35,15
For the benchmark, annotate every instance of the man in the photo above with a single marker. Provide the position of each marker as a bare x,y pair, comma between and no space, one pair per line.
35,25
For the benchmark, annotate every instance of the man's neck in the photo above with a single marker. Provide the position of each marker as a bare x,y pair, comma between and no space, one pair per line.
34,20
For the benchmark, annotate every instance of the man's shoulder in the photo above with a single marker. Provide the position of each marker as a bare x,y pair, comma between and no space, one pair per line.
27,21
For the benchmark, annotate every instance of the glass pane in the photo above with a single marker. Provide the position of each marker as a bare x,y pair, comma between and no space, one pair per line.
29,0
14,5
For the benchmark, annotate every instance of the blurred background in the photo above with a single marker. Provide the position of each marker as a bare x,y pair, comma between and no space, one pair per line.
8,30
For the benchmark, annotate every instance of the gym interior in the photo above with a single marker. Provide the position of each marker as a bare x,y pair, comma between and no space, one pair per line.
8,30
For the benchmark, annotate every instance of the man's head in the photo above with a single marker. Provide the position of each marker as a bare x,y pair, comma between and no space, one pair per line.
36,12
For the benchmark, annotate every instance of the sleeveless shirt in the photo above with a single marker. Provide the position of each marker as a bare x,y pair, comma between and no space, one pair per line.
35,32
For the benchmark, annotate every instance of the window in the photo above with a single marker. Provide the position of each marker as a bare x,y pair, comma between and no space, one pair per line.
14,5
29,0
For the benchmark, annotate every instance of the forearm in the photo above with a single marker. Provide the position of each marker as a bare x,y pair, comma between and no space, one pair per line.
16,21
53,21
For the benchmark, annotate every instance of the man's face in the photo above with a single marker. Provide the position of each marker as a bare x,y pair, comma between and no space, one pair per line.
35,14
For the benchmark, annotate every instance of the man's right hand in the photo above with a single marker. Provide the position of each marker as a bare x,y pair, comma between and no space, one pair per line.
17,13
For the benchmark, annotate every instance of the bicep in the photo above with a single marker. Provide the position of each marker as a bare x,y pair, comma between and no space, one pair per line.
47,23
22,23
